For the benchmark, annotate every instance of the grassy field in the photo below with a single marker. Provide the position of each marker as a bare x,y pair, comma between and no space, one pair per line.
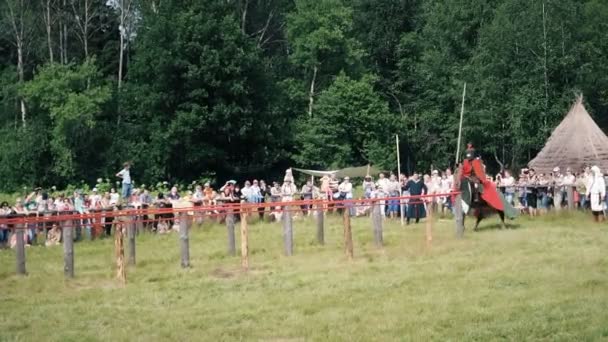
541,280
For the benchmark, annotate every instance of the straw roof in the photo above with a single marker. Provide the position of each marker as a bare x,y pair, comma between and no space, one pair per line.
577,142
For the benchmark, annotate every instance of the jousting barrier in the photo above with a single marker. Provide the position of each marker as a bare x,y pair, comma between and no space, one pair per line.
131,221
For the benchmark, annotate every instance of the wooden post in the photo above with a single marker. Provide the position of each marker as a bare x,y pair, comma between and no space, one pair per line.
458,216
429,227
457,205
119,252
287,231
348,234
131,237
139,225
20,247
68,246
230,228
320,224
244,241
377,224
184,239
570,196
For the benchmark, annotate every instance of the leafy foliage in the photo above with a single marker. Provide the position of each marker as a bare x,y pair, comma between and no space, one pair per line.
224,89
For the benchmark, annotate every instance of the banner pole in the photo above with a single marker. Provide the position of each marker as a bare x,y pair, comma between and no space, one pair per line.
398,178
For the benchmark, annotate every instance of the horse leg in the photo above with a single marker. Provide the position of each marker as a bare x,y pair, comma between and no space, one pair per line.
502,219
479,218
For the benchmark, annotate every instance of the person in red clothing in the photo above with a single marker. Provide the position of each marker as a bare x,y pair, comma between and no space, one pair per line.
474,170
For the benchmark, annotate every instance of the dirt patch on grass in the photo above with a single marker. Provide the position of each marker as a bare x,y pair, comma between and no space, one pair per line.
223,273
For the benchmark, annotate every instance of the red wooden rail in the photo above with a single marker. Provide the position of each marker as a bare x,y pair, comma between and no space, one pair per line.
16,220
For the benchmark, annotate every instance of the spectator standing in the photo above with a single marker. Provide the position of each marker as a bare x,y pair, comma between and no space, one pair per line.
275,192
569,181
95,199
346,193
416,208
596,193
393,189
125,175
173,194
508,182
307,193
368,187
288,189
114,197
558,189
382,191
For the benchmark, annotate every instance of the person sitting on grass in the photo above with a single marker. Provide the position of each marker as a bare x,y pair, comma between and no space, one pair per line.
53,237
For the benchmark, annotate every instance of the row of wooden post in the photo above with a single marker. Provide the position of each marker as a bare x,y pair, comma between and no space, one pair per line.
287,226
130,227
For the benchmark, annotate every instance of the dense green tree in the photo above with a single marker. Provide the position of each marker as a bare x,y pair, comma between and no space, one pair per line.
71,97
245,88
352,126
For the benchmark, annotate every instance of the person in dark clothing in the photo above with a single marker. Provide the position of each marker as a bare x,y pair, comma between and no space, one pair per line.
416,209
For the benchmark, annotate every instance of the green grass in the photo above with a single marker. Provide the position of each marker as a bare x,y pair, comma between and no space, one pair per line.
543,280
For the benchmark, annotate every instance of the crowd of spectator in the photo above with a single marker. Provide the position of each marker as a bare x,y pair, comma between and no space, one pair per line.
531,193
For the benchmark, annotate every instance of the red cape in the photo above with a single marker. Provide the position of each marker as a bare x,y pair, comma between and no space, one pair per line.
489,194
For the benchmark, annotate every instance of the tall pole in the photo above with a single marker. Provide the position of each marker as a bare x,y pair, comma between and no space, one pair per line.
464,93
399,175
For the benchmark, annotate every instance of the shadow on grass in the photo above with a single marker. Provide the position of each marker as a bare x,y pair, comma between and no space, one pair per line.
496,226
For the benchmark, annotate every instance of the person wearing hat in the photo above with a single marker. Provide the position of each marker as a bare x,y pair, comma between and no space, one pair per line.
368,187
95,199
288,189
596,193
473,172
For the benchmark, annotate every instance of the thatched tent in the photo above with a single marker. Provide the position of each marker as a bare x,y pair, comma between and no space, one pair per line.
577,142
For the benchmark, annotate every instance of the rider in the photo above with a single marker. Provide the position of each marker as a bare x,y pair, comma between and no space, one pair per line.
474,171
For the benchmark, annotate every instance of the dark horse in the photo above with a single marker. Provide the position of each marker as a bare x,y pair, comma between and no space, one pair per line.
479,208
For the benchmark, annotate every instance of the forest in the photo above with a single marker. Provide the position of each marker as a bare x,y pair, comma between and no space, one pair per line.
211,89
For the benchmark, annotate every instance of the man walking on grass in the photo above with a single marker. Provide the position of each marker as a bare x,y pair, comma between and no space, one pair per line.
126,181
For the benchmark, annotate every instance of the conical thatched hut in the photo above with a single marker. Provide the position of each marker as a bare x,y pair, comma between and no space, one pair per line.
577,142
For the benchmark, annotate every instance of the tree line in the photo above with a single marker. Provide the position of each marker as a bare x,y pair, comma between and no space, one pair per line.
211,89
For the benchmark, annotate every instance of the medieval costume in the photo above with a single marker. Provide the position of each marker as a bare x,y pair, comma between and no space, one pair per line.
476,187
596,190
415,208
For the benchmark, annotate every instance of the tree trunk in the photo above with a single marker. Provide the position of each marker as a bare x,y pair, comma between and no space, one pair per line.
65,35
311,94
545,68
21,79
49,29
244,17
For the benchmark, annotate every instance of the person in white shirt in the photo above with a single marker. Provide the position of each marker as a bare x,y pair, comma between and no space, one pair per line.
508,182
125,175
568,182
596,192
247,193
558,190
288,190
95,199
346,192
382,192
114,197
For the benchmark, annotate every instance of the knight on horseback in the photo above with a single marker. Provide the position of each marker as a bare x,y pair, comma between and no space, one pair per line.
479,193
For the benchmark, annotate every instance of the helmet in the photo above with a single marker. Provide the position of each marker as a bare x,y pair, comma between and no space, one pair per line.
470,152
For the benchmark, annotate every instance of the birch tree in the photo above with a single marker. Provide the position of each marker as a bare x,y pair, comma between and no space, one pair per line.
47,11
85,11
20,20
